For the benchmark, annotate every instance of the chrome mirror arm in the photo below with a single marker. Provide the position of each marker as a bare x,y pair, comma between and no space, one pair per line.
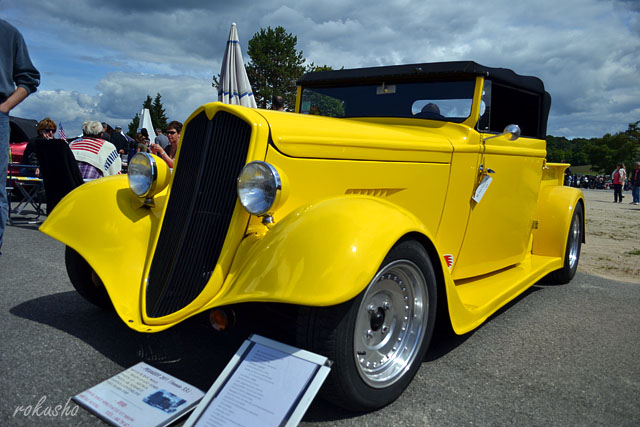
512,130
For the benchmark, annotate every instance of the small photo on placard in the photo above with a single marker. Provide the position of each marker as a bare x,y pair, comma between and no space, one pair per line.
165,401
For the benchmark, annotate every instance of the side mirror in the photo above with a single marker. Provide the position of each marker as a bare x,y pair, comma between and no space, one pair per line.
512,130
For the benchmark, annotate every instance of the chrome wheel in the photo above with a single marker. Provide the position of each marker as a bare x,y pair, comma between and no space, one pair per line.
575,239
377,340
572,248
391,323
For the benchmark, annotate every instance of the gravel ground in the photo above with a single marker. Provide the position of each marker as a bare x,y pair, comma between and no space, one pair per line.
612,247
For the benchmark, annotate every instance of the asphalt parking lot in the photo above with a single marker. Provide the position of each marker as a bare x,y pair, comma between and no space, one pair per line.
557,355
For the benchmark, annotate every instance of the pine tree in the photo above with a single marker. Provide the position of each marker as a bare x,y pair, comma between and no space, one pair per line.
275,66
133,126
157,113
158,116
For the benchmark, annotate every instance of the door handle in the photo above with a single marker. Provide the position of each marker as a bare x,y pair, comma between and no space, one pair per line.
486,171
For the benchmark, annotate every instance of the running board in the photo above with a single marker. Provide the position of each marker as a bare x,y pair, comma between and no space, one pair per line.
482,296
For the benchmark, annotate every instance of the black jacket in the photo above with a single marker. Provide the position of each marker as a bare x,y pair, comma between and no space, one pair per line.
58,169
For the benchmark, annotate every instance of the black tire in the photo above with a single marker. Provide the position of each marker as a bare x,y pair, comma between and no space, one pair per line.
376,341
572,250
85,280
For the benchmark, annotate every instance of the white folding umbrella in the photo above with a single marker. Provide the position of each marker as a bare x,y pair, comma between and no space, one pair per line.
234,85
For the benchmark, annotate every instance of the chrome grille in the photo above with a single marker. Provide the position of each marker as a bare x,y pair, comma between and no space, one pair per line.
199,210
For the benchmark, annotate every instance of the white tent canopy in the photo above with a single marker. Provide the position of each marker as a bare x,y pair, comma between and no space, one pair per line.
145,122
234,86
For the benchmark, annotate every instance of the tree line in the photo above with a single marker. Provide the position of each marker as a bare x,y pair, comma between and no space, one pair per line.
603,154
275,65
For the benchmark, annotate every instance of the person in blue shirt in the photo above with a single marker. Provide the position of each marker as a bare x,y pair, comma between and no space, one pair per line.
18,79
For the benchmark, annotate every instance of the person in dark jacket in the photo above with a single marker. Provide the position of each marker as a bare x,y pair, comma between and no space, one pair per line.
106,134
59,170
118,139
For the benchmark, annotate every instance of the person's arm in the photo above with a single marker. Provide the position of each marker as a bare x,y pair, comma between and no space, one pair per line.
164,156
14,99
25,76
160,152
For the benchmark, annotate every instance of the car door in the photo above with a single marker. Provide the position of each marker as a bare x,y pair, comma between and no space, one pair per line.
500,221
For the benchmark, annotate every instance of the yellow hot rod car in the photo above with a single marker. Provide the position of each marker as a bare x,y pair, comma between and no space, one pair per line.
392,197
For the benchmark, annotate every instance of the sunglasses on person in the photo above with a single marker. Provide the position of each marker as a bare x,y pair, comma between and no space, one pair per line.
49,130
171,132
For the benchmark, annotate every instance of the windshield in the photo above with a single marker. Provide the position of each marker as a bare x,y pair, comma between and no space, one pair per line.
447,101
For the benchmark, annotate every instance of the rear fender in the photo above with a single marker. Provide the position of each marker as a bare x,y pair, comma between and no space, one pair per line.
554,212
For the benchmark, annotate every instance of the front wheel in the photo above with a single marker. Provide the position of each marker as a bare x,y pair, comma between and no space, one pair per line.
572,250
85,280
377,340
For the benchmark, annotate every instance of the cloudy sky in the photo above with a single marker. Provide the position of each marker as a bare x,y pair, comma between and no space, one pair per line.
99,59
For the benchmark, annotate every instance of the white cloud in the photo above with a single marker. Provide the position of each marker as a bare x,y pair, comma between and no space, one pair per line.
119,100
585,51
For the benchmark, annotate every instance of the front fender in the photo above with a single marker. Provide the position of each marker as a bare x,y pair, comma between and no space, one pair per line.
113,232
319,255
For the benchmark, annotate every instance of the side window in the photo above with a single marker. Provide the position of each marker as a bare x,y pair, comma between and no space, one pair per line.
504,105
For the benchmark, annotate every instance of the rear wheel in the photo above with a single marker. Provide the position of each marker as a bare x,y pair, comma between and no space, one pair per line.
85,280
378,339
572,251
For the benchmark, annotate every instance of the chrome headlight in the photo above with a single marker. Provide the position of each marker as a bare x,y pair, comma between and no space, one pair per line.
143,173
259,187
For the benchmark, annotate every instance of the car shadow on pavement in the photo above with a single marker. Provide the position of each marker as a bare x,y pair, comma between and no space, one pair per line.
191,351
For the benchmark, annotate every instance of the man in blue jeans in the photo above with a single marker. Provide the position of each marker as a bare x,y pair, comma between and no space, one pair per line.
18,79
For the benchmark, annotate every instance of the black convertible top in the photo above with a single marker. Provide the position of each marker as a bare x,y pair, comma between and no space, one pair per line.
436,71
413,72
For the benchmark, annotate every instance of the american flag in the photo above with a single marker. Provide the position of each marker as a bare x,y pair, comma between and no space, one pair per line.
61,133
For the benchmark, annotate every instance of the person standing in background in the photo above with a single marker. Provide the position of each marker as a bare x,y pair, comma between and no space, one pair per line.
162,140
118,139
618,177
634,178
18,79
95,156
105,132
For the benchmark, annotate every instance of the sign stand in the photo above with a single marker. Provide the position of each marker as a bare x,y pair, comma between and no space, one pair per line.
266,383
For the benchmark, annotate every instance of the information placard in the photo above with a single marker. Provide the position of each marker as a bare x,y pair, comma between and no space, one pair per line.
140,396
266,383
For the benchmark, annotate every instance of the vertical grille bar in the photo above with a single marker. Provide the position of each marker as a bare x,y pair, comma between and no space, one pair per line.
199,211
